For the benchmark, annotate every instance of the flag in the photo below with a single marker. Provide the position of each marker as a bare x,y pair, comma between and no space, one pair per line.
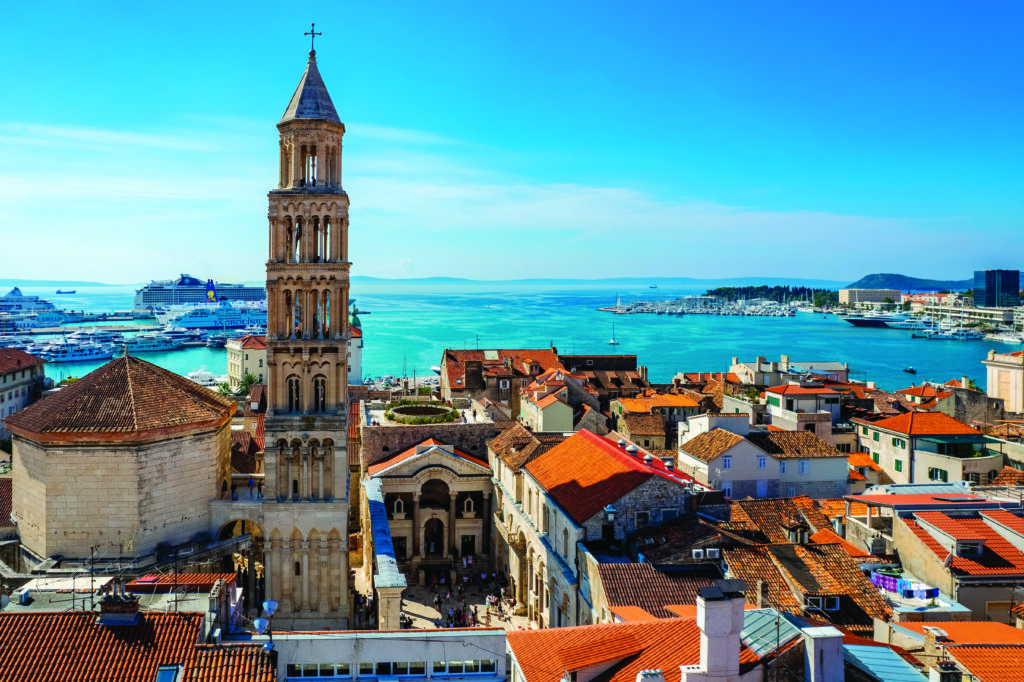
211,291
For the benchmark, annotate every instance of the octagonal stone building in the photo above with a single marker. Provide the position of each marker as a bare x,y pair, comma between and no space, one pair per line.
125,458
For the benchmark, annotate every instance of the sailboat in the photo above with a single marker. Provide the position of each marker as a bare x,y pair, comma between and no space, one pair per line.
613,342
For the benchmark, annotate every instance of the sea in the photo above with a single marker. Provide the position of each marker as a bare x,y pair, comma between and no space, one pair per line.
407,324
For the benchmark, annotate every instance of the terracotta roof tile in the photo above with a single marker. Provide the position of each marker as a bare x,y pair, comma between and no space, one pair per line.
397,458
12,360
646,403
710,444
585,472
644,424
703,377
993,663
6,501
243,452
650,589
1005,518
827,536
516,446
863,459
126,396
545,655
1009,476
768,516
632,614
166,582
949,525
816,570
794,444
663,542
925,424
252,342
971,631
232,663
922,391
998,557
74,646
795,389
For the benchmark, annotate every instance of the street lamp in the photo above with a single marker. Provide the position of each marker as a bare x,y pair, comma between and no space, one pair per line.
269,607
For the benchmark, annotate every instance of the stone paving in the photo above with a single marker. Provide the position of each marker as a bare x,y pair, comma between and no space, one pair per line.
418,603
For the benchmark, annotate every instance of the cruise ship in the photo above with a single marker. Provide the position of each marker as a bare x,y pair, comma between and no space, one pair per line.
16,303
188,289
223,316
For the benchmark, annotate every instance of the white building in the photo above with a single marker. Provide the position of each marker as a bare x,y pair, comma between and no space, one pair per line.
355,356
21,381
247,355
1005,379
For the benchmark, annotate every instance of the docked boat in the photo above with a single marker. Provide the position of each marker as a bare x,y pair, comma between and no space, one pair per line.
150,342
204,377
76,352
225,315
913,323
96,335
876,319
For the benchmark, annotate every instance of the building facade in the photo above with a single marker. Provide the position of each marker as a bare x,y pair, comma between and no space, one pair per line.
305,513
997,288
21,382
855,297
1005,379
247,355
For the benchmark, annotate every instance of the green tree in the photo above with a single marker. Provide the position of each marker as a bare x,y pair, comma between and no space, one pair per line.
247,383
225,389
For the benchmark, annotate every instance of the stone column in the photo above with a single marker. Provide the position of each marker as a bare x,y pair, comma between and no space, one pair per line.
323,605
321,165
416,530
287,575
486,540
451,523
269,565
305,575
296,162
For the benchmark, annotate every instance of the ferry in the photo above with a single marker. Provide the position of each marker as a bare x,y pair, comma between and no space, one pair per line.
15,302
222,316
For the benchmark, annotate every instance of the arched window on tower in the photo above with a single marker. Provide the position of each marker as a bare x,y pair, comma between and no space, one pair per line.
325,314
287,324
325,230
290,236
317,237
319,394
314,305
297,243
294,394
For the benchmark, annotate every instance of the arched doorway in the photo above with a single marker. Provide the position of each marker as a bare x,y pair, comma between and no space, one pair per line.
433,538
245,558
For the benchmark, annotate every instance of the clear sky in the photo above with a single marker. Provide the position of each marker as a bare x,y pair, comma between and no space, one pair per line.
527,139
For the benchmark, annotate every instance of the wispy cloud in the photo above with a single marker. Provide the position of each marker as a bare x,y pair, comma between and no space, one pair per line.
195,199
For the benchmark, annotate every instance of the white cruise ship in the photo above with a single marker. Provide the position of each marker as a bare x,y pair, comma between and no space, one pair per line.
189,290
17,303
223,316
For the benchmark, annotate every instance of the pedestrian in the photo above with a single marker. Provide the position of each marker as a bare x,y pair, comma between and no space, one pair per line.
470,559
259,489
252,484
463,562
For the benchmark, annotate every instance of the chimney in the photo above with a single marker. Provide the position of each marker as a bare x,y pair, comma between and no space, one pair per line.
839,527
784,361
762,591
871,385
965,382
119,611
720,619
823,654
735,361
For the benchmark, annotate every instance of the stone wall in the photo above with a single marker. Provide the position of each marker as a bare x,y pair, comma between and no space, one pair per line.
381,442
652,496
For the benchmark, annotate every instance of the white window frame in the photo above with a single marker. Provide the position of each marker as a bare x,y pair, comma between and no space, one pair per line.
762,462
727,462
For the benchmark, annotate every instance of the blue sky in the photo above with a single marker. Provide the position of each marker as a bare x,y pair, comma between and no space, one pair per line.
543,139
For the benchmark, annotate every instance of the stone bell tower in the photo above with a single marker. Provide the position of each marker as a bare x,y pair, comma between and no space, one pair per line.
306,507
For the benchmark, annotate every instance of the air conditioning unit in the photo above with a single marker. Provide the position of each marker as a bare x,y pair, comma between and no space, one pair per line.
698,554
24,596
711,553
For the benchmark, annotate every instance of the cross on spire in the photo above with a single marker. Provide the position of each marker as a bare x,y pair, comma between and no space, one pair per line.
312,33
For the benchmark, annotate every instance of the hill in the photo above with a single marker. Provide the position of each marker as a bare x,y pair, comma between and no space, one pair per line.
885,280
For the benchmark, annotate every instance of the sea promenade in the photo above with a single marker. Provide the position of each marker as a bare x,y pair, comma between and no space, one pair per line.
408,326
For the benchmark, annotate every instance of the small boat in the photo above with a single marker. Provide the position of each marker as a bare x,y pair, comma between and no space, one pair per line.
910,370
61,291
613,342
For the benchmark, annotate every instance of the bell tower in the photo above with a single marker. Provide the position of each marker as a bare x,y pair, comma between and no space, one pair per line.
306,464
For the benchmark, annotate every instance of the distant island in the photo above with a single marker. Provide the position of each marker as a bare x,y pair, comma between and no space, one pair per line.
885,280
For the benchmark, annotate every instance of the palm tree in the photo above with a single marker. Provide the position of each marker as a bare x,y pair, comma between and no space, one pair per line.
225,389
246,384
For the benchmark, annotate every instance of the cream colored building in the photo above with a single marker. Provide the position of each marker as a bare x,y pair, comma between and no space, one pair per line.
247,355
21,380
1005,379
124,459
856,297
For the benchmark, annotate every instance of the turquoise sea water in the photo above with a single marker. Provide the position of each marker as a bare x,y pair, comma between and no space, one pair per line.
409,325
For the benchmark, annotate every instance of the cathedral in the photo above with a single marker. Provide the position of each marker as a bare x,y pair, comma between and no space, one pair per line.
305,512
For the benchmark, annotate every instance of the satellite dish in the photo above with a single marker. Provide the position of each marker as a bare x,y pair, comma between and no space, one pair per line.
261,625
269,607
